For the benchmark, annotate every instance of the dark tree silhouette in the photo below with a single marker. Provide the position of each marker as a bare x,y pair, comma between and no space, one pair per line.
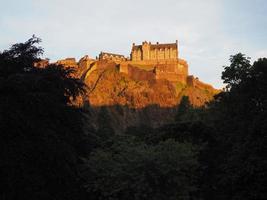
239,118
183,108
137,171
237,71
40,132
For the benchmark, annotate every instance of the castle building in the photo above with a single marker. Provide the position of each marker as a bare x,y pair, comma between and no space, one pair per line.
111,56
154,52
151,61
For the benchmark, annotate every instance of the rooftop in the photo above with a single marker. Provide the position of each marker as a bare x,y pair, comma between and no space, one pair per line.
112,54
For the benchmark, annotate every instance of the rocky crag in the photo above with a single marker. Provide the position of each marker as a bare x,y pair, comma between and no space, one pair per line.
142,90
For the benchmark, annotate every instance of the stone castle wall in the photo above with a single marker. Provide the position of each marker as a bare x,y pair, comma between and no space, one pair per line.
172,77
68,62
177,72
172,70
138,74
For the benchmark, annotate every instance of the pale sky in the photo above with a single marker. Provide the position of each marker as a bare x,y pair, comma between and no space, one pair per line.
208,31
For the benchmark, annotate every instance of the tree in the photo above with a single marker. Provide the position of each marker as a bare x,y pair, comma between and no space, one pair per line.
237,71
136,171
20,57
239,118
40,131
183,108
105,130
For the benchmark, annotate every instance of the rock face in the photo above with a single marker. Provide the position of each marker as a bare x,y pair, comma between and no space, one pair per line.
139,88
138,98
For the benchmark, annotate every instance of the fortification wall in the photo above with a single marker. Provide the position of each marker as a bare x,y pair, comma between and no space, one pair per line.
191,81
172,77
182,67
106,64
68,62
140,75
124,68
172,70
151,62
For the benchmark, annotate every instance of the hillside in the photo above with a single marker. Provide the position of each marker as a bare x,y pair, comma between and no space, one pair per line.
132,102
108,87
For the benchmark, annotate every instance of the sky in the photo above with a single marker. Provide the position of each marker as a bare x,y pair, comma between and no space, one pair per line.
208,31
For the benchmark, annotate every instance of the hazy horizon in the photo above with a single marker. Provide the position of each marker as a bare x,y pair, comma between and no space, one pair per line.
208,31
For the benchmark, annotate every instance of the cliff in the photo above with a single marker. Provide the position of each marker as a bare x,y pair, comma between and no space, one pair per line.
139,88
136,98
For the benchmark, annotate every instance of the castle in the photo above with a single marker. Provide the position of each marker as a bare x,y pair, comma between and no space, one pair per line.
146,62
151,61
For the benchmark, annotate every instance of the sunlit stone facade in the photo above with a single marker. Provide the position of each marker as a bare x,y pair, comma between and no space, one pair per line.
153,52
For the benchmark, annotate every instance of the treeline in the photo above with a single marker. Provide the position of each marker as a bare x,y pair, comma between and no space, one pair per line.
50,151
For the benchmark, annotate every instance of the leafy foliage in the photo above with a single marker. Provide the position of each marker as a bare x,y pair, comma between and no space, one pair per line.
137,171
237,71
239,117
